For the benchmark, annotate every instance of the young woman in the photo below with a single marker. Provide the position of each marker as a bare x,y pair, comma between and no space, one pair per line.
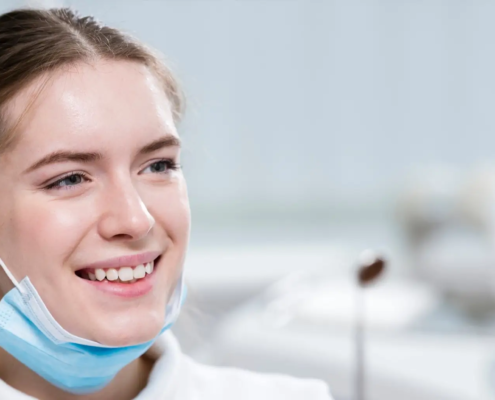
94,222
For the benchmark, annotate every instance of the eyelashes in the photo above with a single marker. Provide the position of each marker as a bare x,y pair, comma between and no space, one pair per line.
167,163
73,179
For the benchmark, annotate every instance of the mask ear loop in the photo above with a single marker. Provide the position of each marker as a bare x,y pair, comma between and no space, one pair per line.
11,277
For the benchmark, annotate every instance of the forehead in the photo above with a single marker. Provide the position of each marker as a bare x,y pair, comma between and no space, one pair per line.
94,103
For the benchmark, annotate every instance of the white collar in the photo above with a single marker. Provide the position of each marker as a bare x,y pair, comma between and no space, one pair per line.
163,379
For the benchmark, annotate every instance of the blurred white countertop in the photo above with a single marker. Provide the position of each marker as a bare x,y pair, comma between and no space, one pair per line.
402,362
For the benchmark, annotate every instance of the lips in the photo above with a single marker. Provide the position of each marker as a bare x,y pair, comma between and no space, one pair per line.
113,277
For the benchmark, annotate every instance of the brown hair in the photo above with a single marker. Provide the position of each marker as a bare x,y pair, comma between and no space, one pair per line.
36,41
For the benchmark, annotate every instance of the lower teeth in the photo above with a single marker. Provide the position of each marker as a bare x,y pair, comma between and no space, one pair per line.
84,276
119,281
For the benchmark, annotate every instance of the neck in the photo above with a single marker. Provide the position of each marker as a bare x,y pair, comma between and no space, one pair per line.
126,385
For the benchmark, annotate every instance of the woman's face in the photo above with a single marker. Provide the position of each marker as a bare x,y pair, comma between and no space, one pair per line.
91,184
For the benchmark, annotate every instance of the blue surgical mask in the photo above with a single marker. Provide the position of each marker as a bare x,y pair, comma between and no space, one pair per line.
30,333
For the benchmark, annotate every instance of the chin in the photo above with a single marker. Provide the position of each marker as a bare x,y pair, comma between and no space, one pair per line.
128,334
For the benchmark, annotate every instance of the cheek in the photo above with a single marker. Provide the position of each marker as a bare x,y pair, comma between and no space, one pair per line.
172,212
45,233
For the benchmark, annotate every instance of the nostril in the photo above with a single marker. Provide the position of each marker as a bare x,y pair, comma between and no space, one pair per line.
122,236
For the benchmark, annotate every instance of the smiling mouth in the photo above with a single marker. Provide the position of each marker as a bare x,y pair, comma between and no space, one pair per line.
128,274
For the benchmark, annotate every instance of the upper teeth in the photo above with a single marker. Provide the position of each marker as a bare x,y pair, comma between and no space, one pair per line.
125,274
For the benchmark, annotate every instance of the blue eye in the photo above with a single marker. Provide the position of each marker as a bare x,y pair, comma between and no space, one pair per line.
162,166
73,179
159,166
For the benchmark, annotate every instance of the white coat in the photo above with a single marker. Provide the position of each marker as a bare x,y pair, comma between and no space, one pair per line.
175,376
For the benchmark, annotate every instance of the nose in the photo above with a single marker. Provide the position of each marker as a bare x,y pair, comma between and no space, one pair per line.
125,216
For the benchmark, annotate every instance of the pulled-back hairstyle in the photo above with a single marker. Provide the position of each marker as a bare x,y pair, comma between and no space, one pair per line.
36,41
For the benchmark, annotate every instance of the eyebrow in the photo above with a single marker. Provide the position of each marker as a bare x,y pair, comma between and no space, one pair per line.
166,141
88,157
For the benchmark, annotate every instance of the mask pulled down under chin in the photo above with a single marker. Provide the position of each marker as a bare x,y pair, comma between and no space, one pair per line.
30,333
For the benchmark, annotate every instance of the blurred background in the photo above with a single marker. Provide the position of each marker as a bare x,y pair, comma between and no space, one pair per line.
316,129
